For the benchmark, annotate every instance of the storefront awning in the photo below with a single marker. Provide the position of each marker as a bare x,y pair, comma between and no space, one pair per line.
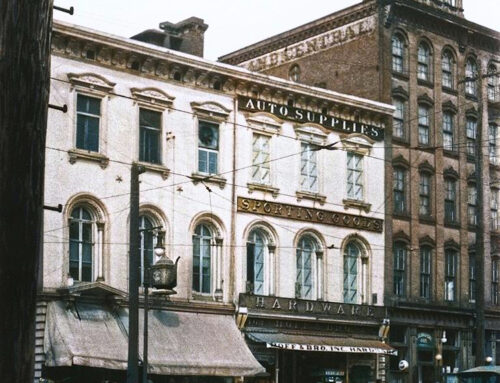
180,343
84,334
186,343
297,342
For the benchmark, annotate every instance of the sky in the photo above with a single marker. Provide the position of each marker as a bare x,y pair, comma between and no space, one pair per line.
233,24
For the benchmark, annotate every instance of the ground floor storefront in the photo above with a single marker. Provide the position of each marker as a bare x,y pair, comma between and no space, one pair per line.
300,341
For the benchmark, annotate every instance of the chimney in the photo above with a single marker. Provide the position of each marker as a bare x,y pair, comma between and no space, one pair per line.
186,36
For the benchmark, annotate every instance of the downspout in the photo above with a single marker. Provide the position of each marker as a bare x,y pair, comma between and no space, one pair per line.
232,245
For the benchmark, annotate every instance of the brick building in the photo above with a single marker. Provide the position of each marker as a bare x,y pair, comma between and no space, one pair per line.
440,71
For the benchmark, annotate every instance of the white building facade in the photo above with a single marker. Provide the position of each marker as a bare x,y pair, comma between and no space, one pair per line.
270,192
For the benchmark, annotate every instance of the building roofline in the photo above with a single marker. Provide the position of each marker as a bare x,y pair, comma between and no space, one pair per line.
201,64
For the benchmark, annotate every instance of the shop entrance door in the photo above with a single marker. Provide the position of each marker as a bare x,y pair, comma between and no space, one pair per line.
360,374
425,374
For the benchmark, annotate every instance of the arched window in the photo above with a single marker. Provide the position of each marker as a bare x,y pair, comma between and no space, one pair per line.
493,87
294,73
447,70
398,53
306,256
256,262
202,259
424,62
352,255
81,241
399,268
471,74
146,244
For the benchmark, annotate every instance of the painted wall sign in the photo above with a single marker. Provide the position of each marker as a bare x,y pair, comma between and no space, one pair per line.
332,310
306,214
315,347
291,113
334,37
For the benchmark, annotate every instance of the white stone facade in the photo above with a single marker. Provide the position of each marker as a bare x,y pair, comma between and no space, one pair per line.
175,195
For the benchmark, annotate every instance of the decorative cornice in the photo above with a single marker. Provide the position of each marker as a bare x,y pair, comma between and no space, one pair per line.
449,106
425,99
426,240
152,96
400,161
400,92
451,244
426,167
450,173
210,109
401,236
92,81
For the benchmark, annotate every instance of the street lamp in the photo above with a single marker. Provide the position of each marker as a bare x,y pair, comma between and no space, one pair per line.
163,278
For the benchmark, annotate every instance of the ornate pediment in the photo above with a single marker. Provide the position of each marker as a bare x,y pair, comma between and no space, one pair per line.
264,122
210,109
425,99
451,244
401,236
400,161
153,96
311,132
427,241
450,107
450,173
400,92
426,167
91,81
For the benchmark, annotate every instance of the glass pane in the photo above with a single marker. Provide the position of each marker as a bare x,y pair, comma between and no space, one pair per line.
73,270
208,135
86,232
150,118
88,105
196,264
203,161
212,163
74,254
87,133
86,272
149,145
87,253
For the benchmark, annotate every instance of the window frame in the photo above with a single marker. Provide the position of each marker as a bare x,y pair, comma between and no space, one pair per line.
493,143
88,115
208,150
450,275
448,131
495,282
258,164
399,118
423,195
494,209
471,135
448,69
91,223
201,237
424,125
398,54
493,84
472,207
310,148
450,198
400,256
472,277
471,72
425,271
299,269
399,189
424,62
250,271
351,172
159,135
359,260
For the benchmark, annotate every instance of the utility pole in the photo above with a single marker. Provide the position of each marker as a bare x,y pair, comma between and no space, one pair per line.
133,277
25,28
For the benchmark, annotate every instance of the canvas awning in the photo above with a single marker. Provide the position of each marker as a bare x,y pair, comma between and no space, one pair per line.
481,371
298,342
180,343
84,334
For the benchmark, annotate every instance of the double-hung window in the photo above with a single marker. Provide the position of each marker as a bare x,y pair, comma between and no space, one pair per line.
256,265
399,277
355,176
492,143
149,136
447,70
471,133
208,147
308,168
397,53
352,256
88,117
448,131
399,189
471,74
493,89
425,271
450,200
306,255
472,205
494,210
472,277
81,245
423,125
399,118
425,194
495,280
146,246
423,56
202,259
450,275
261,167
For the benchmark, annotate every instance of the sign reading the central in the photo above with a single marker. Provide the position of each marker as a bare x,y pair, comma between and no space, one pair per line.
307,214
304,116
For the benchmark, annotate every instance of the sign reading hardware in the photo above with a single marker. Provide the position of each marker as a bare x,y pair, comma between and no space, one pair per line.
304,116
307,214
302,307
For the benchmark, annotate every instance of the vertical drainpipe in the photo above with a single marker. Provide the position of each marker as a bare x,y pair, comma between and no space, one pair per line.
232,247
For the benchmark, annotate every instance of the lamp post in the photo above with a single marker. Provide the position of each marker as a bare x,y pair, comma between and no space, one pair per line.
162,276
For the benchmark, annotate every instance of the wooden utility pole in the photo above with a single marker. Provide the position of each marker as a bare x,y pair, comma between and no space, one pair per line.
25,27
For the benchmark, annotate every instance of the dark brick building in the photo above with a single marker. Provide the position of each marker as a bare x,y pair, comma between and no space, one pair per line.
440,71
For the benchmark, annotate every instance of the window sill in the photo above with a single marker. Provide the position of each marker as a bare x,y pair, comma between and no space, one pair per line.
426,148
471,97
426,83
427,220
207,297
450,91
310,196
450,153
78,154
356,204
404,216
253,186
210,178
156,168
452,225
400,141
400,75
